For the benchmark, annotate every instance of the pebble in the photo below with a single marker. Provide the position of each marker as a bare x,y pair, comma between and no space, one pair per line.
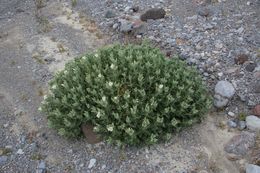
219,101
256,110
241,59
250,168
250,67
125,25
41,167
110,14
20,151
3,160
232,114
241,125
253,123
232,124
92,163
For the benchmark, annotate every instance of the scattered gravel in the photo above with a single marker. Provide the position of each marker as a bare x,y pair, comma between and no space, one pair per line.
220,38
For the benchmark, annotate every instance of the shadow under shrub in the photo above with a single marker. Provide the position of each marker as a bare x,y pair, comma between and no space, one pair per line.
131,94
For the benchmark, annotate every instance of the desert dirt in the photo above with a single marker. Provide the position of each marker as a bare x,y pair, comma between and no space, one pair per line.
30,56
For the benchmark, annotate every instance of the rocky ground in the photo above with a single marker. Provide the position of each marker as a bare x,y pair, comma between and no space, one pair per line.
220,37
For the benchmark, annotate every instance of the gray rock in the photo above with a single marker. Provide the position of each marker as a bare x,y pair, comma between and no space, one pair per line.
241,125
3,160
252,168
253,123
232,124
110,14
20,151
204,12
240,144
125,25
92,163
250,67
225,89
41,167
220,101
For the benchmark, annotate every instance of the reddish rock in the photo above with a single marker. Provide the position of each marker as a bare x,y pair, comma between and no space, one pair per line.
241,59
90,135
256,110
153,13
241,144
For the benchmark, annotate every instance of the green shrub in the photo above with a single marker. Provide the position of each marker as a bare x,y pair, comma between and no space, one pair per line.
131,94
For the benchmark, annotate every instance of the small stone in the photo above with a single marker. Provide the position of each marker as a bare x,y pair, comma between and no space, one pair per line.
225,89
6,125
232,124
253,123
3,160
41,167
110,14
241,59
115,26
233,157
248,3
250,67
92,163
257,86
252,168
103,166
20,151
256,110
203,171
232,114
154,13
220,101
240,144
251,103
241,125
204,12
135,8
127,9
125,26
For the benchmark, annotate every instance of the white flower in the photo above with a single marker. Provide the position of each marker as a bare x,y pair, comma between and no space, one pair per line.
104,98
96,55
65,72
110,128
110,84
98,115
161,86
84,57
54,86
115,98
99,75
112,66
39,109
44,97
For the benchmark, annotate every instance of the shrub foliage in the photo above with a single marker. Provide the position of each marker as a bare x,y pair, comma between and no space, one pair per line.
130,94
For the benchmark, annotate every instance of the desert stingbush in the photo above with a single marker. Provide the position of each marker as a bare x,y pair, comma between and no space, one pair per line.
131,95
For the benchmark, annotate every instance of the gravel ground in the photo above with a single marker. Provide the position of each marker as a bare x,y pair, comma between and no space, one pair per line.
36,40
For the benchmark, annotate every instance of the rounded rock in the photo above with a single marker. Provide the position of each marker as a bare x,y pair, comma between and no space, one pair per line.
225,89
253,123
